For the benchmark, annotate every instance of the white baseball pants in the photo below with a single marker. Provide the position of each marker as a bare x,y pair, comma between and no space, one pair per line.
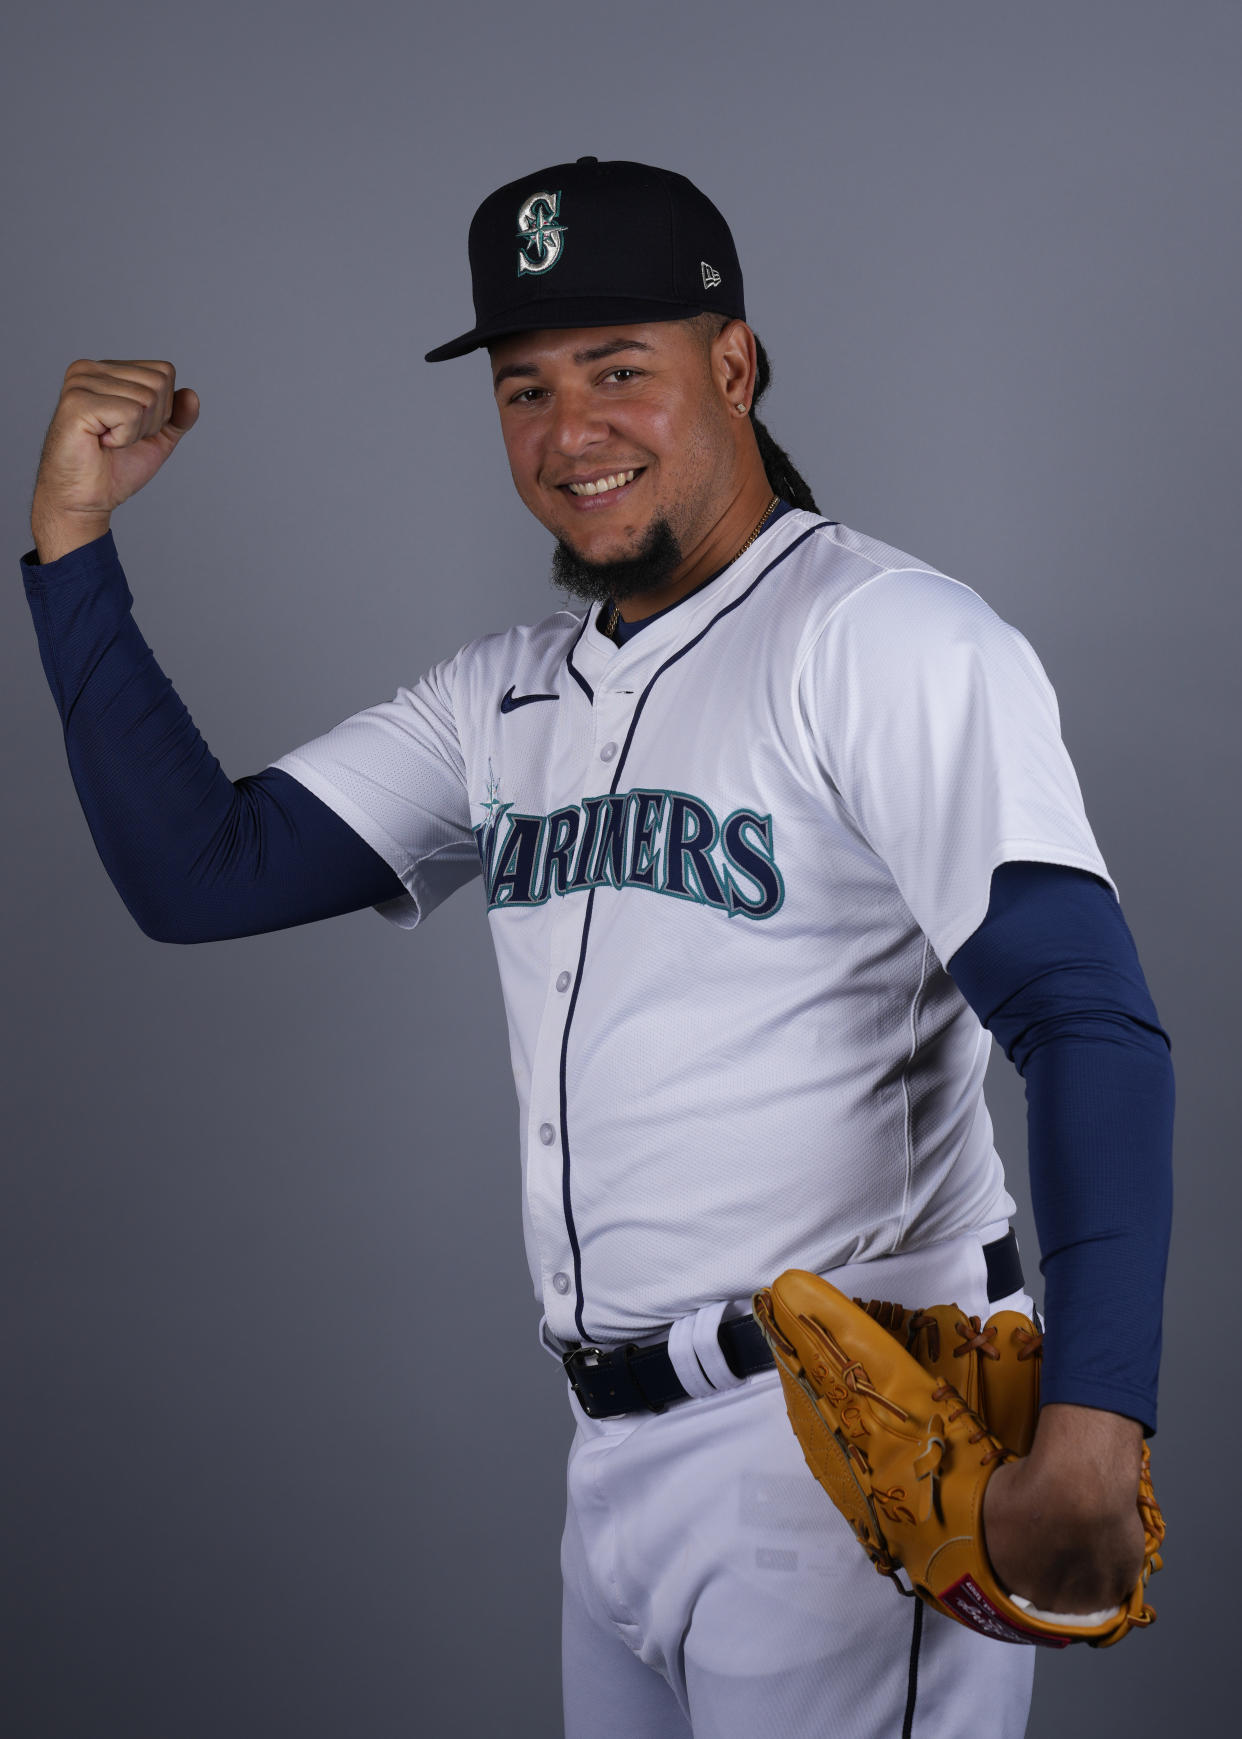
712,1591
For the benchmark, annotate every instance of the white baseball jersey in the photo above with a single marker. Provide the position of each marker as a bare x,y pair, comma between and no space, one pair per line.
724,865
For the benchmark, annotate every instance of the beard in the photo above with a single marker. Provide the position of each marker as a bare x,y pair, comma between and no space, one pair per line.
652,565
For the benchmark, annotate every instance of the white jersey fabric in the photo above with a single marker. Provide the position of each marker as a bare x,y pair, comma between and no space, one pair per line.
725,865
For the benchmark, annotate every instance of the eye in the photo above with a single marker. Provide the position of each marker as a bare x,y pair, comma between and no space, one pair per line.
617,373
527,396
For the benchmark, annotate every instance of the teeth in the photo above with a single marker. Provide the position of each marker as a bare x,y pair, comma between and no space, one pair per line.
602,485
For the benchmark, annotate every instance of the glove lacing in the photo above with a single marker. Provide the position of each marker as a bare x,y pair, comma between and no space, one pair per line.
974,1338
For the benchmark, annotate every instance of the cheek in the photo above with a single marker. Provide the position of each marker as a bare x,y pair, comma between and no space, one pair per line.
702,447
523,462
525,459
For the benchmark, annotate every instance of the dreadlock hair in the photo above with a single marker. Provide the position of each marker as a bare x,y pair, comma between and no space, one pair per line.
783,476
786,480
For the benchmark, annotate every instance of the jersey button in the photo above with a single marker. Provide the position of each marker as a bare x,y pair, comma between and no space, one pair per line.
561,1282
608,751
562,981
547,1134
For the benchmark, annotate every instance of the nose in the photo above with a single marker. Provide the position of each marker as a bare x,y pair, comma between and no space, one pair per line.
580,423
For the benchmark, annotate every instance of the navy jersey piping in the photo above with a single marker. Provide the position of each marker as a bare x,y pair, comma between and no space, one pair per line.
566,1196
566,1201
577,675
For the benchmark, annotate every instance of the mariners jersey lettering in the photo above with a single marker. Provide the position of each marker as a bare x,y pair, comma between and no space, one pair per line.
666,841
723,866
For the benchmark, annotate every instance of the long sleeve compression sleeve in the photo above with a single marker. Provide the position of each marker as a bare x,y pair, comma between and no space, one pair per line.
194,856
1054,974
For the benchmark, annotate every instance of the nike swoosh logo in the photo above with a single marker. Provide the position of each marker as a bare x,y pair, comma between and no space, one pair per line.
512,700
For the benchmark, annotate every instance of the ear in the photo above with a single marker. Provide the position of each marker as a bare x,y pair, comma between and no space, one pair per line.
734,365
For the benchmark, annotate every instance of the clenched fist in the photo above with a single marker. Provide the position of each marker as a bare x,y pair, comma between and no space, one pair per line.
113,428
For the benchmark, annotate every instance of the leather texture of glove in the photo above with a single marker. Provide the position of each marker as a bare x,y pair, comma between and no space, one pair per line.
903,1417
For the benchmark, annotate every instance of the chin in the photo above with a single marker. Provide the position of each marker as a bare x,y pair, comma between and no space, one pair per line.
618,546
619,567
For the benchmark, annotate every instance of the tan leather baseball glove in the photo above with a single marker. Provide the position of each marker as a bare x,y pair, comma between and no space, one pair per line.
903,1417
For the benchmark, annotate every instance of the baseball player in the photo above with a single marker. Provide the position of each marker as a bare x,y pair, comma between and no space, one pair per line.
774,829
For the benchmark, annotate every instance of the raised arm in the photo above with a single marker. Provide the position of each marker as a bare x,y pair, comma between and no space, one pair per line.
195,856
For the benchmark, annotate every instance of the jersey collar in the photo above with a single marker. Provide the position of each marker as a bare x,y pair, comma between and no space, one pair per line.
658,635
627,630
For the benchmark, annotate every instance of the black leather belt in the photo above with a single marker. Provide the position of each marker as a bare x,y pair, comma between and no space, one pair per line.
632,1379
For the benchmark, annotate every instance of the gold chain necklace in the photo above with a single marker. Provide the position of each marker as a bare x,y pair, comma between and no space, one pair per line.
610,627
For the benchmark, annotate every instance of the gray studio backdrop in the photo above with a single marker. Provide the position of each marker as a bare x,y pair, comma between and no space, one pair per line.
280,1453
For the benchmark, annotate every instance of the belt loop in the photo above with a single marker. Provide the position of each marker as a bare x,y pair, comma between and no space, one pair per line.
683,1346
708,1350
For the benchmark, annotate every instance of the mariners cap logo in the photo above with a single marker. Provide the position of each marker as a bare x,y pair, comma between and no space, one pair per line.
539,233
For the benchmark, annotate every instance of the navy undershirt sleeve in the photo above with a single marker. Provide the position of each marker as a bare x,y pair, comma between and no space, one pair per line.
194,856
1054,974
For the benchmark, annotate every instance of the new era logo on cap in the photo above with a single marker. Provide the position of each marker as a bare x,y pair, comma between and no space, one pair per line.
711,277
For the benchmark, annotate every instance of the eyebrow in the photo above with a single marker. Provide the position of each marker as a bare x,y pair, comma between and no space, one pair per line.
596,353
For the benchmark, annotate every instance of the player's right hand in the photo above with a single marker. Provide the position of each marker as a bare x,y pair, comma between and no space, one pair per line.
113,428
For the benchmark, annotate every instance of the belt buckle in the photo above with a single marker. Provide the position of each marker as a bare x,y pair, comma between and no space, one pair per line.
625,1388
578,1358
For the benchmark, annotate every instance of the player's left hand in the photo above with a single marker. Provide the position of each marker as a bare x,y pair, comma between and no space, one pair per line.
1061,1524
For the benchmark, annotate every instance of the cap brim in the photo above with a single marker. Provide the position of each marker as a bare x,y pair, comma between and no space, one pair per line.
571,311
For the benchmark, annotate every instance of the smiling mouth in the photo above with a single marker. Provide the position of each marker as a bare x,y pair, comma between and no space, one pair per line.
610,483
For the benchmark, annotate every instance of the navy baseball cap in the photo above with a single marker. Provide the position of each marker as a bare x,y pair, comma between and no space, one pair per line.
596,244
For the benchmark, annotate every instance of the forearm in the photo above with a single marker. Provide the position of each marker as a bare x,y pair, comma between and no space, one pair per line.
1100,1131
59,534
193,856
1054,974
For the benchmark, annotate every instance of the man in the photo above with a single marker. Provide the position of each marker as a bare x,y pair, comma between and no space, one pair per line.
765,833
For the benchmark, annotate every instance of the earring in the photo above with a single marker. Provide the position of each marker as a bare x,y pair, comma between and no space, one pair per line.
741,410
